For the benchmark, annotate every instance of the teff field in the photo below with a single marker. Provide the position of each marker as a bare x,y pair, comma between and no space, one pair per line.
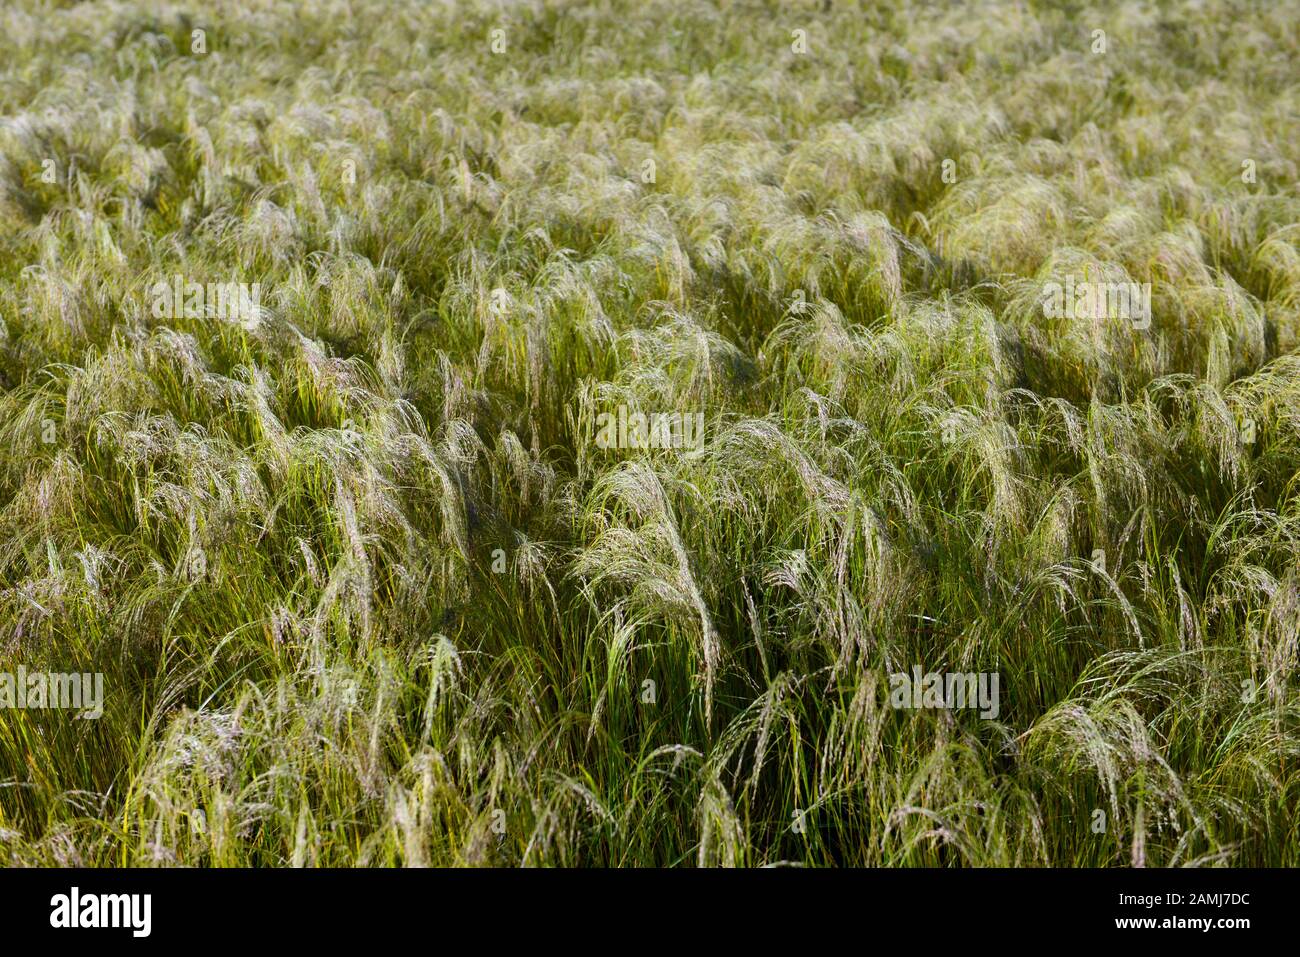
649,433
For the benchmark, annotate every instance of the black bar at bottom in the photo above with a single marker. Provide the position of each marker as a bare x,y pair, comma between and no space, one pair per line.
533,906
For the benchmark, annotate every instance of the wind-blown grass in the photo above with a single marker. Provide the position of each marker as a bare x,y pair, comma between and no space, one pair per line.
365,590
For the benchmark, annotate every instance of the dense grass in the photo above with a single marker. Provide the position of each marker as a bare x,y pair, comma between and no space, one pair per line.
365,590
